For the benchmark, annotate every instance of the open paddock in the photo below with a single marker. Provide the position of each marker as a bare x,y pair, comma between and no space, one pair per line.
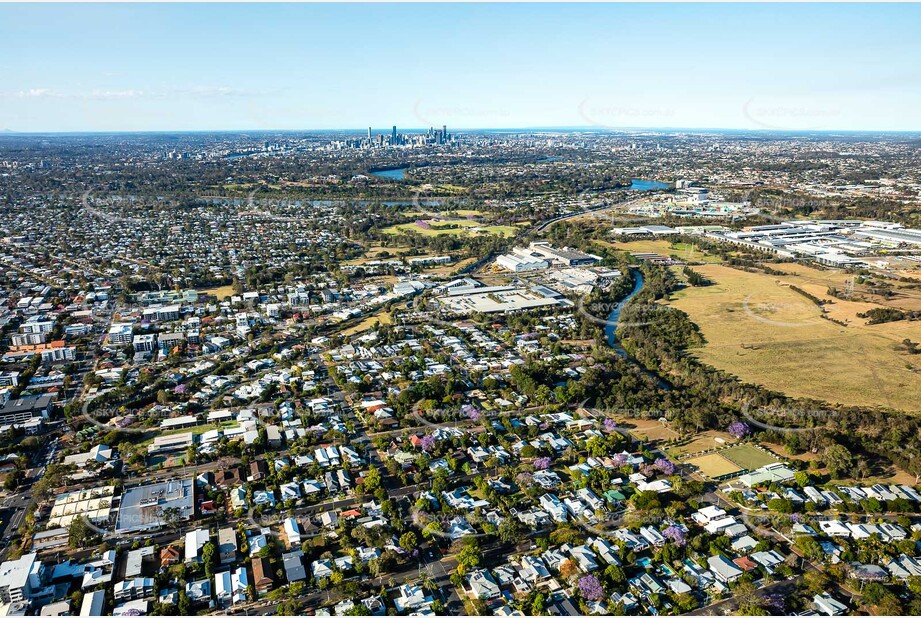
646,429
760,329
700,442
681,251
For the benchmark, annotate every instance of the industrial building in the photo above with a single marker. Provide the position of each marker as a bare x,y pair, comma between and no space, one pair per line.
541,255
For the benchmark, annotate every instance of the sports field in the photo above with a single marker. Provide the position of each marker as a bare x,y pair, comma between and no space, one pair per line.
713,465
731,460
222,292
748,457
761,330
455,227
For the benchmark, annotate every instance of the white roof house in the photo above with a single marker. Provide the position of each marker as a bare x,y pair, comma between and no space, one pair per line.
828,605
194,541
724,569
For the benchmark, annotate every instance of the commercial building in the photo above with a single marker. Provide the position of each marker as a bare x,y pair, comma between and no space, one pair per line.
144,343
164,313
499,299
58,354
20,579
143,508
120,334
25,409
94,504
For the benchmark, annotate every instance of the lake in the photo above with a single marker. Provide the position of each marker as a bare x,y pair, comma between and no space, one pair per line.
638,184
394,174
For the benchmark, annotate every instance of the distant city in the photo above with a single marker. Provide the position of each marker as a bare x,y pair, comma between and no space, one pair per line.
431,137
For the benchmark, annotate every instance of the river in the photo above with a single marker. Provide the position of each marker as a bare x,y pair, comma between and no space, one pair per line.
610,330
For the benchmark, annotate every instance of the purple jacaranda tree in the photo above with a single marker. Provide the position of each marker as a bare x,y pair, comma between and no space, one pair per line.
470,412
180,389
675,535
419,517
664,466
428,443
619,460
542,463
776,602
590,588
738,429
609,424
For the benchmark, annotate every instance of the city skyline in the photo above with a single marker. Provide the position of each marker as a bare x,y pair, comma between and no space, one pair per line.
110,68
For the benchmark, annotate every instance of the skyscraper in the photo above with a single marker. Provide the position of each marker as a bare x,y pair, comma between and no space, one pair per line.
369,134
393,137
444,134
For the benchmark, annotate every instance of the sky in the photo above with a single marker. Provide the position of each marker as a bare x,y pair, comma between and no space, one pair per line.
203,67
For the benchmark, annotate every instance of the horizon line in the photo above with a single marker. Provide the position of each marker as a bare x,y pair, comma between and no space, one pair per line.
565,128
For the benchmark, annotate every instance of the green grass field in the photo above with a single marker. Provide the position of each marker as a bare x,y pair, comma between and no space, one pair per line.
748,457
681,251
458,227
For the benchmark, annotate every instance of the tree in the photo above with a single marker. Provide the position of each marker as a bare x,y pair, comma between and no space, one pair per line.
510,531
780,505
738,429
615,574
209,558
170,516
838,460
809,546
409,541
590,588
746,594
295,588
79,533
470,555
372,480
537,605
476,607
568,569
185,605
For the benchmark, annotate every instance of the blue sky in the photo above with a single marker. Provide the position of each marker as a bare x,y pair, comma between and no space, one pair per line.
102,67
